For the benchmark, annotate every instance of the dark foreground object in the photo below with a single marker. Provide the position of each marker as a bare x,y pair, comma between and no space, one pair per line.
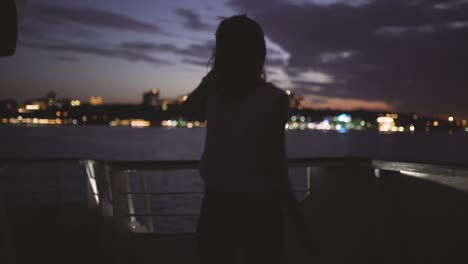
8,27
356,217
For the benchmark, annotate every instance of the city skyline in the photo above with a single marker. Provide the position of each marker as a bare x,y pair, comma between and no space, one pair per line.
385,55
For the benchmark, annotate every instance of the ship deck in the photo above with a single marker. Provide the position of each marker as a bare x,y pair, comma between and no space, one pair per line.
358,211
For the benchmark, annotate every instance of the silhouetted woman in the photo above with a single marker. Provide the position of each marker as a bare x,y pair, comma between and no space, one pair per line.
244,163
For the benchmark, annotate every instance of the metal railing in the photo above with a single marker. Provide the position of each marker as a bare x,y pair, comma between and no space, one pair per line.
125,207
115,179
110,189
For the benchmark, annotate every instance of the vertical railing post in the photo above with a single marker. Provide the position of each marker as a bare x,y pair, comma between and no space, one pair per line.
93,193
308,180
130,204
149,217
104,187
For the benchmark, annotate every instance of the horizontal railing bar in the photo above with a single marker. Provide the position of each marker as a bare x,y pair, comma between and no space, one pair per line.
421,168
159,193
441,168
182,193
193,164
154,215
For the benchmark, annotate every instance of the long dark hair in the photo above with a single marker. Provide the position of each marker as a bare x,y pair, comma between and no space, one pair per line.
238,57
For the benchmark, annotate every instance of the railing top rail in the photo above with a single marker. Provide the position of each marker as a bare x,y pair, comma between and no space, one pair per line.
193,163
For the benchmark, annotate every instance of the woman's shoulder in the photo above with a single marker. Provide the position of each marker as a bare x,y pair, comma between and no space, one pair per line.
276,92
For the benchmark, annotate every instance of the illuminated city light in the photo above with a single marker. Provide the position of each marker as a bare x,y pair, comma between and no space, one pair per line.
33,107
41,121
363,123
75,121
401,129
436,123
311,125
466,129
386,124
95,100
140,123
169,123
415,117
58,113
84,118
411,128
288,92
154,91
189,124
324,125
75,103
450,118
344,118
385,119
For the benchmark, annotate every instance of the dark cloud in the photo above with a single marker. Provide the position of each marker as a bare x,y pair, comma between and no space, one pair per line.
68,30
90,16
99,50
149,46
196,62
202,50
199,51
276,62
407,53
193,21
66,58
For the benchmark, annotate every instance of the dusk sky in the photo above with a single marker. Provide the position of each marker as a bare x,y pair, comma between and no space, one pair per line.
393,55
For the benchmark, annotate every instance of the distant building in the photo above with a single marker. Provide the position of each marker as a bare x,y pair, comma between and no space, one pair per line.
8,104
33,106
95,100
51,99
152,99
168,103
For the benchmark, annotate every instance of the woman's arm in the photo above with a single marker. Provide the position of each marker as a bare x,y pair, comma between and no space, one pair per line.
194,107
290,202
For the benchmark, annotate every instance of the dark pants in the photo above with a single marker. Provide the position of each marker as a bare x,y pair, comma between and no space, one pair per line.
240,225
